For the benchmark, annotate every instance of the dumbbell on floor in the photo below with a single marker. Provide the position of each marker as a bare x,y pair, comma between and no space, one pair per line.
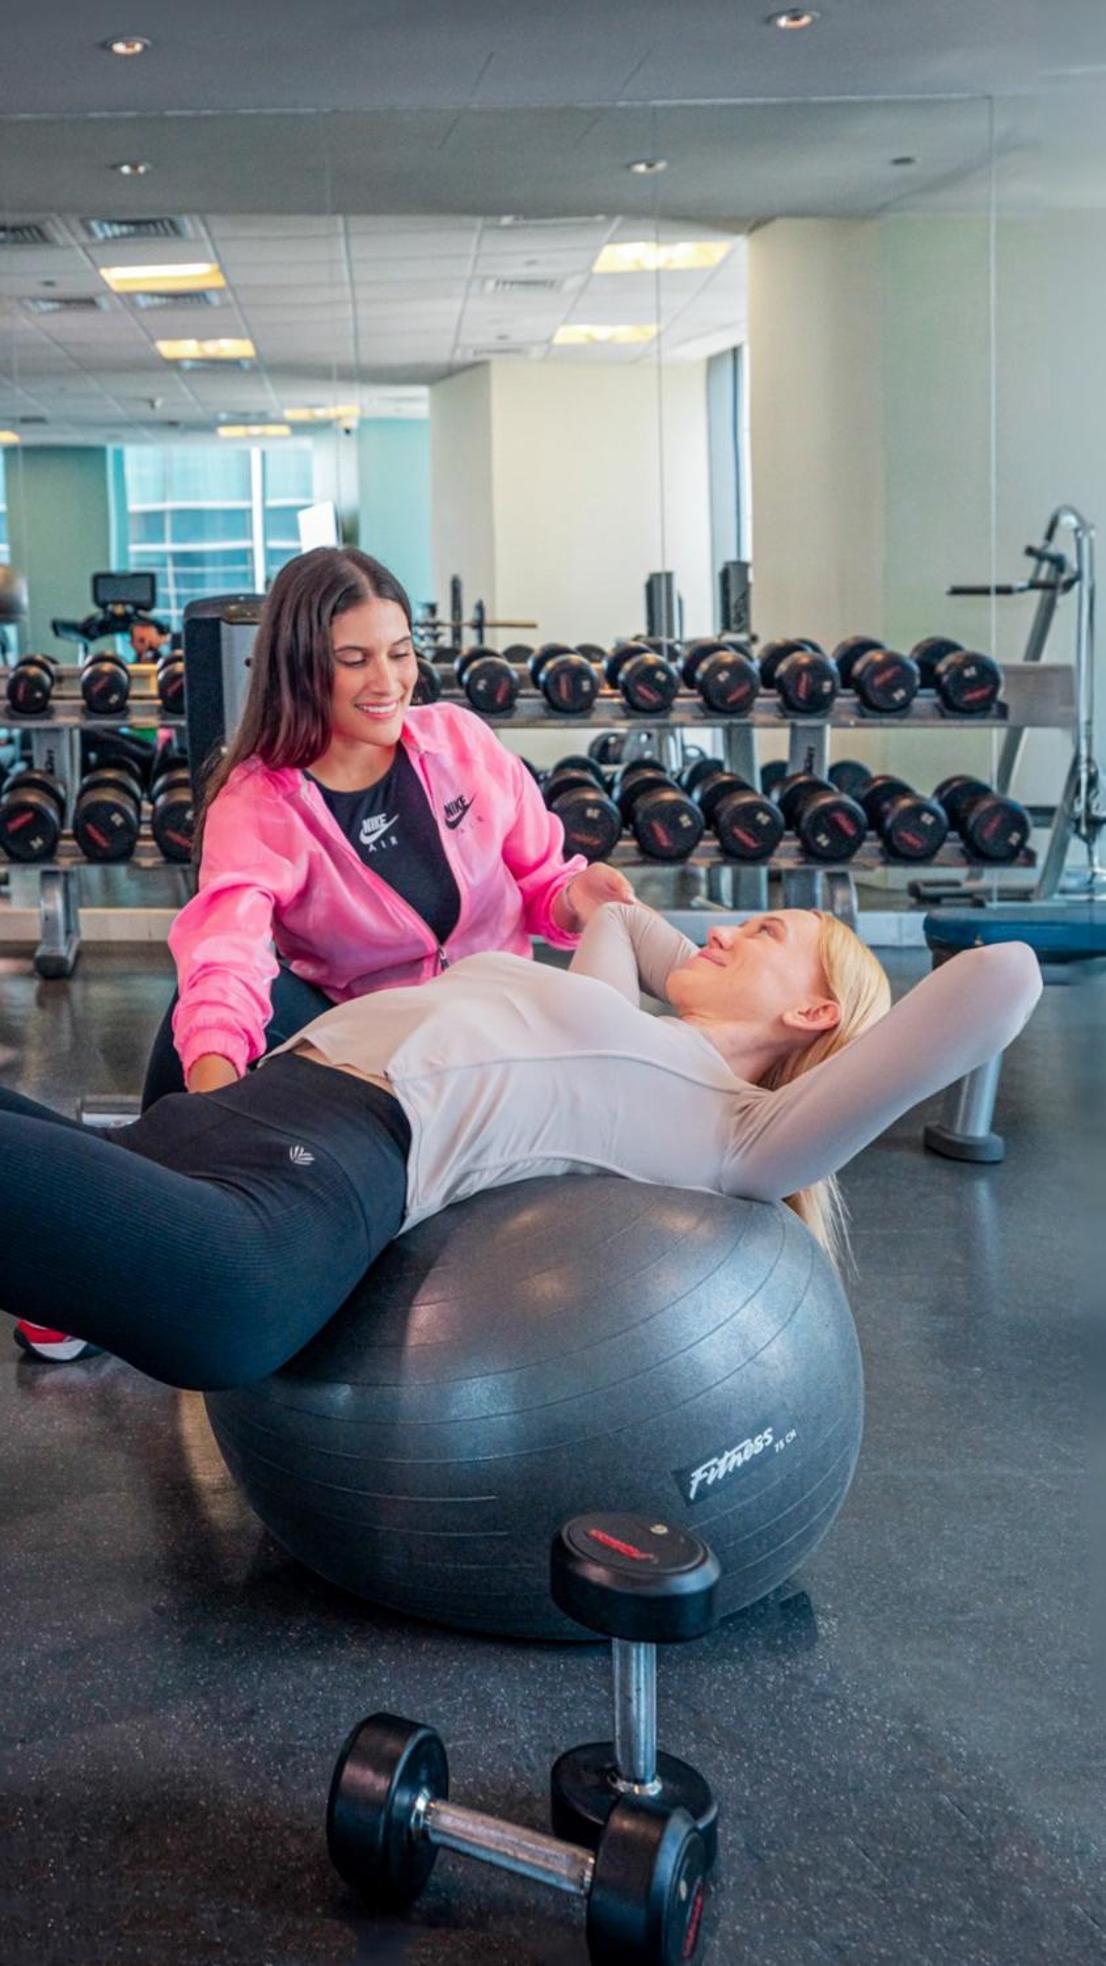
967,684
747,825
885,681
576,791
991,826
388,1815
725,675
665,822
803,675
32,813
567,679
830,826
911,826
105,684
488,681
642,1584
648,683
31,685
107,812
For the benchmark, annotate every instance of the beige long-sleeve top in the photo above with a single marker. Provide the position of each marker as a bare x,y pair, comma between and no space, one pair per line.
509,1069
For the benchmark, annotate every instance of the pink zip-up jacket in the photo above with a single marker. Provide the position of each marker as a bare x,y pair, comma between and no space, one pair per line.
276,869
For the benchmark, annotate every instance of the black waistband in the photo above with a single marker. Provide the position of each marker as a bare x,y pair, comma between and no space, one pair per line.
316,1099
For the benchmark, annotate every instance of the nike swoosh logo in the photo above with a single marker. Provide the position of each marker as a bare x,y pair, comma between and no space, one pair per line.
453,820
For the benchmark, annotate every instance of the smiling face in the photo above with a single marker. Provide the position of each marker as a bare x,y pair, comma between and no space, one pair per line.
375,671
765,972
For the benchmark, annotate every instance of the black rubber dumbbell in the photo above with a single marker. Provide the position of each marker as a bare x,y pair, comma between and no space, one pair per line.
665,822
172,807
576,792
568,681
772,776
747,825
649,684
885,681
967,683
428,687
388,1815
488,681
607,748
105,684
31,685
107,812
725,675
170,683
991,825
911,826
641,1583
847,775
803,675
830,826
32,814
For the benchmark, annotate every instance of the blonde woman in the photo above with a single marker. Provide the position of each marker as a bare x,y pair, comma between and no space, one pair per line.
207,1243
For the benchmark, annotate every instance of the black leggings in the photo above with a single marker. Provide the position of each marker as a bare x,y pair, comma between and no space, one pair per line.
294,1004
207,1243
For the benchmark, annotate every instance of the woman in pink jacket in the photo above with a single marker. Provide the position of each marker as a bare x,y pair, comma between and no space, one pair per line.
349,842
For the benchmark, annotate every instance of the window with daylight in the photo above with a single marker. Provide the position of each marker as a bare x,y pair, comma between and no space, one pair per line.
212,519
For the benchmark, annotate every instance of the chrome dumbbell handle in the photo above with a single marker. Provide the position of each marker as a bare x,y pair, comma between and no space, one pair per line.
526,1852
634,1667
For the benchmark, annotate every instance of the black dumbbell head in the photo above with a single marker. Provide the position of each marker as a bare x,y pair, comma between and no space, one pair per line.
931,650
955,792
172,818
428,688
577,761
648,683
849,652
384,1766
807,682
666,823
847,775
885,681
912,827
648,1889
568,680
772,776
747,824
639,771
31,685
105,684
606,749
991,826
969,684
698,772
592,821
32,811
830,826
633,1578
488,681
170,683
727,678
773,653
518,653
107,812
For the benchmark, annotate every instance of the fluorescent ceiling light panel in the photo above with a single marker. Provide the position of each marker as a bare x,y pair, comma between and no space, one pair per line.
577,334
185,276
10,437
222,348
642,256
254,430
324,413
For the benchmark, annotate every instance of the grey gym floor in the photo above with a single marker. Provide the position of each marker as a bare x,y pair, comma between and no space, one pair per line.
907,1751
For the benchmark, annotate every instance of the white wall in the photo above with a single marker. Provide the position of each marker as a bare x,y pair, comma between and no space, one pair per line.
816,429
461,502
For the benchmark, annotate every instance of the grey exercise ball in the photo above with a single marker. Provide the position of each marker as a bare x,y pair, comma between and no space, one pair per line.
551,1347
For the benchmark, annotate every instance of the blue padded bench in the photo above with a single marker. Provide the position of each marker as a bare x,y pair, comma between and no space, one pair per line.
1061,933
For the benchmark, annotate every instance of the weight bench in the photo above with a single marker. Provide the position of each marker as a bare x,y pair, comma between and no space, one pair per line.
1062,934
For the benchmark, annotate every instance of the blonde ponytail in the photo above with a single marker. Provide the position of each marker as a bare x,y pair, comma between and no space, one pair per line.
858,984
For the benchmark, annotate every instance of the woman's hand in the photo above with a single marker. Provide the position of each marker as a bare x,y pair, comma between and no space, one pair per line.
211,1072
584,893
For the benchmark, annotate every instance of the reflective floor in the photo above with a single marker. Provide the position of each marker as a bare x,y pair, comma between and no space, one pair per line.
907,1751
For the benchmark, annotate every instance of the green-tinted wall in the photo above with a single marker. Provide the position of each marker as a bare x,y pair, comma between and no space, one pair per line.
395,500
59,523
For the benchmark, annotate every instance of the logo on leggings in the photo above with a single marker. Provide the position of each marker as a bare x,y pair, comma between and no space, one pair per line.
696,1483
300,1157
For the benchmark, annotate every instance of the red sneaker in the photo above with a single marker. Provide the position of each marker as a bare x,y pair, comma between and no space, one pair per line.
41,1342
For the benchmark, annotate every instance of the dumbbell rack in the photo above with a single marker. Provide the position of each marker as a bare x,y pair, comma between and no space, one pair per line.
56,747
1041,696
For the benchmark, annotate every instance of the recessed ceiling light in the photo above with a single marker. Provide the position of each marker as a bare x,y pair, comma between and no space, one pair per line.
126,44
324,413
174,277
132,170
578,334
648,166
10,437
904,160
254,430
223,348
642,256
793,18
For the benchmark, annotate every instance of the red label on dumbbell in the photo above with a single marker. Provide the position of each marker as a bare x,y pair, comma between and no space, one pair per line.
621,1548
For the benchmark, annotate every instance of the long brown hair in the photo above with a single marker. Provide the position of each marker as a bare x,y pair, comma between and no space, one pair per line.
286,718
859,986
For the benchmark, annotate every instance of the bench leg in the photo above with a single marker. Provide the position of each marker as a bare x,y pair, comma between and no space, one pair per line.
963,1131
